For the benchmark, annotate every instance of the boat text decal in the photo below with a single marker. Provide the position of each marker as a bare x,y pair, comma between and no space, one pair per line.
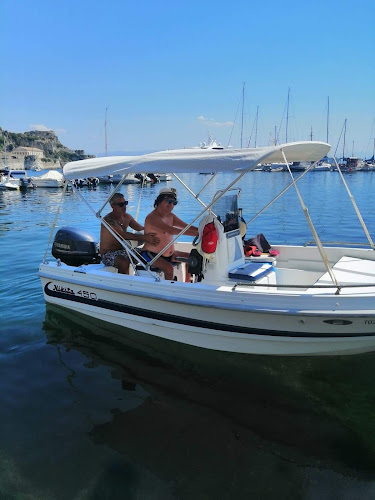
91,298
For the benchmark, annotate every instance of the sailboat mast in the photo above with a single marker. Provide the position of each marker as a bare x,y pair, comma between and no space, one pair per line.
343,146
105,132
327,117
256,127
243,103
287,117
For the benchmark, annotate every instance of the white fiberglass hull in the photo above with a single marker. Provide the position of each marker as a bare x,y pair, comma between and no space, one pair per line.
9,185
47,183
217,318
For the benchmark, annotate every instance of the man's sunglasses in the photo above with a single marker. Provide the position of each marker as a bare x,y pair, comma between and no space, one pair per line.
122,204
171,200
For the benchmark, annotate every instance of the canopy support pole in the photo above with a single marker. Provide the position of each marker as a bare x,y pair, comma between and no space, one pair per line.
196,196
207,183
312,228
55,222
355,205
281,193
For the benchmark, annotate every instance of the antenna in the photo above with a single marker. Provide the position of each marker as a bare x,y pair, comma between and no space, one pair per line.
287,117
243,103
256,127
327,117
343,147
105,131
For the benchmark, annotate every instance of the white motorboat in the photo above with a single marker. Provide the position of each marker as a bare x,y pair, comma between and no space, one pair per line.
322,166
15,180
164,177
51,179
130,178
7,182
307,300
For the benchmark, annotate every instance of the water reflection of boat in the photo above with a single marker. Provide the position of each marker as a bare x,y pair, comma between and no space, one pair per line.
228,415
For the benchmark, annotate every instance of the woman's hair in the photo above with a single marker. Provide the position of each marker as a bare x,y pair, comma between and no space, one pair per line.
161,197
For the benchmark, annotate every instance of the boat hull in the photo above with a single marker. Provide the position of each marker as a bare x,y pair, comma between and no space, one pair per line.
40,183
212,319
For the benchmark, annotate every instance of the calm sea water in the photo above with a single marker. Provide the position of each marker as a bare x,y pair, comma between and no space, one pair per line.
90,411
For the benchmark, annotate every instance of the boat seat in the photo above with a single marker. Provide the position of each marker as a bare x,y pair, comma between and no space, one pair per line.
251,271
350,270
110,269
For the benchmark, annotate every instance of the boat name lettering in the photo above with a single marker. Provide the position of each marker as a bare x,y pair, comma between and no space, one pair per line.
87,295
369,321
63,289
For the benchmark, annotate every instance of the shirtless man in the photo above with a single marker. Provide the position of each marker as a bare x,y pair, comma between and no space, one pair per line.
111,250
165,224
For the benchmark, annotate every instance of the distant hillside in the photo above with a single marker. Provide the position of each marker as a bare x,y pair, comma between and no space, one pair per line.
47,141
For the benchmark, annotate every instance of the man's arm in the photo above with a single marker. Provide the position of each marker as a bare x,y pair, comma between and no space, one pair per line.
150,238
178,223
135,225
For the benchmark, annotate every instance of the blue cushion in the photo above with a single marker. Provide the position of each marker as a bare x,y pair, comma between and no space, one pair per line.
251,271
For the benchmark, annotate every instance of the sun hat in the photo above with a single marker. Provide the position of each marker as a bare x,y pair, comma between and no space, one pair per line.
170,191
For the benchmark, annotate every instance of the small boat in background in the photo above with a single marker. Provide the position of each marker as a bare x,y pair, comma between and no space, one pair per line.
51,179
7,182
15,180
164,177
322,166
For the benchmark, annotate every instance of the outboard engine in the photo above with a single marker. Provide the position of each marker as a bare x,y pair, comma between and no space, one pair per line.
75,247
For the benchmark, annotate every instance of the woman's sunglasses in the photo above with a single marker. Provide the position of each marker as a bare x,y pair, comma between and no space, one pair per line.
171,200
121,204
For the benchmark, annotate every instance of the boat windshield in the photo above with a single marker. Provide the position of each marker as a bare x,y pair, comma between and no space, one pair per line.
226,210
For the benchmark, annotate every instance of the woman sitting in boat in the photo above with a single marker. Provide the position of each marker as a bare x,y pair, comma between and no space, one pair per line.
165,224
111,250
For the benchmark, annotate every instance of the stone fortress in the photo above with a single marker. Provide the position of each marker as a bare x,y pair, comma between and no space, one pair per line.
35,150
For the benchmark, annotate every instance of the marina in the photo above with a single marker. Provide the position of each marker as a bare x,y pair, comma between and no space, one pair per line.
187,251
97,396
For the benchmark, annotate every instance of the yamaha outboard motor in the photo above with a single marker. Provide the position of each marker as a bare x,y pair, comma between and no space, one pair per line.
75,247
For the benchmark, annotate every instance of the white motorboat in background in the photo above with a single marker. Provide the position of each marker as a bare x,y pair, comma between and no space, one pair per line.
7,182
51,179
305,300
164,177
129,179
16,179
322,166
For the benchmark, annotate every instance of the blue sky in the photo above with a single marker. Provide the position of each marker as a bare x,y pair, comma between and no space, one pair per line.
170,72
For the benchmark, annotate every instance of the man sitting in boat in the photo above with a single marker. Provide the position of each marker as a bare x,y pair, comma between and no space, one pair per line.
165,224
113,254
